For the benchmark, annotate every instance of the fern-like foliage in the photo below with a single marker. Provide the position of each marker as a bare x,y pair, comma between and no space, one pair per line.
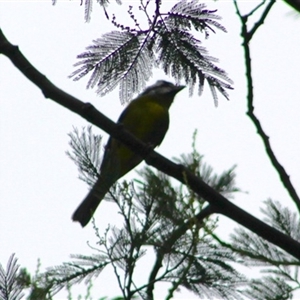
269,288
127,57
118,57
192,260
88,7
258,250
86,149
10,288
282,218
206,271
282,269
81,269
159,215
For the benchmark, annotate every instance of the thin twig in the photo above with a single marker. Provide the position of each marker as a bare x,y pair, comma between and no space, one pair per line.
247,35
256,8
261,20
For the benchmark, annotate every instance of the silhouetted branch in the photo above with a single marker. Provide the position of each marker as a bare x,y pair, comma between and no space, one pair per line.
247,35
219,203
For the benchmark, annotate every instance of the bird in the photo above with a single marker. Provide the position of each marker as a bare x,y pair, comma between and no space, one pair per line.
147,118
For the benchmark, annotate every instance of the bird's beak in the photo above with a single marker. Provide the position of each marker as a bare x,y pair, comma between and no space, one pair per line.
179,88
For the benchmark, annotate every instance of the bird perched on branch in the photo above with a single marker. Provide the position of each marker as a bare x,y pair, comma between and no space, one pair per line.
146,117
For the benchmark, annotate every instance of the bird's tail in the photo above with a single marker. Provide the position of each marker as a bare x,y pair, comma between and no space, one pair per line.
86,209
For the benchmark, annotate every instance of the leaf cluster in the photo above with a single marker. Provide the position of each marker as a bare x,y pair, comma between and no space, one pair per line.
85,153
157,215
281,277
11,287
126,57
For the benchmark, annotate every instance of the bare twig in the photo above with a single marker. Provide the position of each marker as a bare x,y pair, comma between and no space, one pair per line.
247,35
261,20
255,8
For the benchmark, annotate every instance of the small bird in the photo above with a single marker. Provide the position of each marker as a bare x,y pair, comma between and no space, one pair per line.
146,117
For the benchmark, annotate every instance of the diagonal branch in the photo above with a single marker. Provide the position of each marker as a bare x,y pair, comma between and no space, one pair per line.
261,20
294,4
254,9
284,177
218,202
247,35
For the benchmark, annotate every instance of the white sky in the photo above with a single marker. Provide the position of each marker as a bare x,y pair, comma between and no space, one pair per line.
39,186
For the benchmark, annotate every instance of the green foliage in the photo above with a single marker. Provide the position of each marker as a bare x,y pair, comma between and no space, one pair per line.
160,215
257,251
127,57
282,218
189,259
269,288
85,153
282,269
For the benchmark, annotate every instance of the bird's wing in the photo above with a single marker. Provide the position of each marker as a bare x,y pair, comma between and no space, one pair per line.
146,119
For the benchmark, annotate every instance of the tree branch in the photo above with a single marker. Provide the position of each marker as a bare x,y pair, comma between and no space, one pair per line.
261,20
218,202
247,35
294,3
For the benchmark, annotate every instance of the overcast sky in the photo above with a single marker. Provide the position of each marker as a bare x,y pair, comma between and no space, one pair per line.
39,187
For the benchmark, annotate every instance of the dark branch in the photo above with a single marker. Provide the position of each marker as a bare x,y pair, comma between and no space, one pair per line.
261,20
294,3
255,8
247,35
218,203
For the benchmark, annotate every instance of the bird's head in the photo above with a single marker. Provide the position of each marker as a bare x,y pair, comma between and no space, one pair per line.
163,91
